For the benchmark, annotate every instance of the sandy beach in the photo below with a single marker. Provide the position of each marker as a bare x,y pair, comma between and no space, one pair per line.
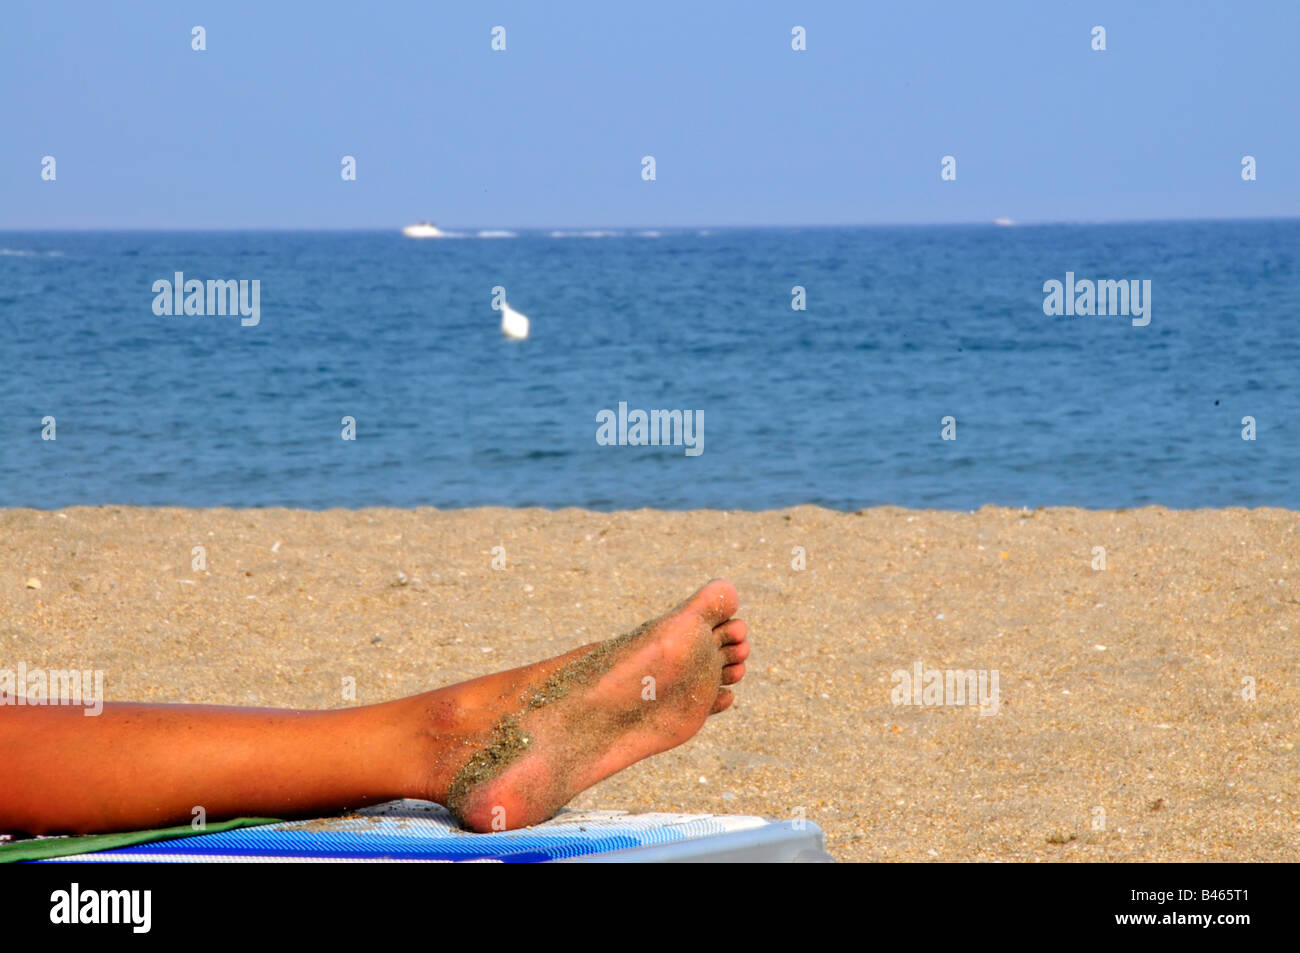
1124,729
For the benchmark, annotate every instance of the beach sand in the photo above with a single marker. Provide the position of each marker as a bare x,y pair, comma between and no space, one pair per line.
1120,690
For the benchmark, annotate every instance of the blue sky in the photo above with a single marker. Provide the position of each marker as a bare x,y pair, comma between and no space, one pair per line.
250,133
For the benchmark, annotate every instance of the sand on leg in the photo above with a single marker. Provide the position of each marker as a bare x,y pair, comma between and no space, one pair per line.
583,715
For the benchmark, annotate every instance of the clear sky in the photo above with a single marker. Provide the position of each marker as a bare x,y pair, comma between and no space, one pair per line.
148,133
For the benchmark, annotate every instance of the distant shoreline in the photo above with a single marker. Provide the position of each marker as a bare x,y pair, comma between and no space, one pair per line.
379,508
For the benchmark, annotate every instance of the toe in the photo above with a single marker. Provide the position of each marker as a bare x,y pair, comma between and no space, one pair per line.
716,602
731,654
731,632
723,701
733,673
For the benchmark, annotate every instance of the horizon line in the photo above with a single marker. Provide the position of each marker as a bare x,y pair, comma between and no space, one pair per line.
382,229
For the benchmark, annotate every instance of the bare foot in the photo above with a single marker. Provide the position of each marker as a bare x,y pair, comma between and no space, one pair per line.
563,725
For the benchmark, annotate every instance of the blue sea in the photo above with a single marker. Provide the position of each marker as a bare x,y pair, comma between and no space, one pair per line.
841,404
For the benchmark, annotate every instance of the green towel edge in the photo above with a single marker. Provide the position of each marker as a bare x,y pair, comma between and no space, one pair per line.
92,843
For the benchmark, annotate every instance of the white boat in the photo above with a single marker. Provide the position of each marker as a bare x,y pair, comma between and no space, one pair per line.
422,230
1004,222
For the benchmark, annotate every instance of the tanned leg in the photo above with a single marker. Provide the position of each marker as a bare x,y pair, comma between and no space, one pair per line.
502,751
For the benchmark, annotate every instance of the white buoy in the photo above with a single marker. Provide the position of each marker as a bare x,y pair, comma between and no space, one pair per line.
513,324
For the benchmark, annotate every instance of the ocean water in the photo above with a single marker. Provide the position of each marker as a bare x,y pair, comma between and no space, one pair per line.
839,405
